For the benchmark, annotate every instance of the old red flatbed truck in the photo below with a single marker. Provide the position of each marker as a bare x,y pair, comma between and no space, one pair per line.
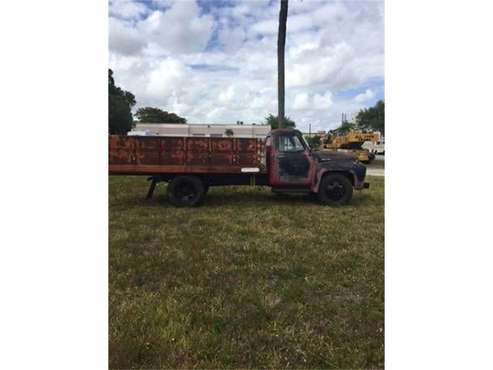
283,160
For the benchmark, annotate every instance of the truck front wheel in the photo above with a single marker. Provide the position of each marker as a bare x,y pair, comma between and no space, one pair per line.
186,191
335,190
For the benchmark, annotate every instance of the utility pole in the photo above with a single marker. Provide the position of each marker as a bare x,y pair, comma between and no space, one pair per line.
281,42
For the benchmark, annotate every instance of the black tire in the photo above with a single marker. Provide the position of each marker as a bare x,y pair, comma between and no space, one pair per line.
335,190
186,191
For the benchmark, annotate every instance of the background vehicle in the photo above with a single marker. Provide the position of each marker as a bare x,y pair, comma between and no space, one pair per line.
283,161
352,142
377,147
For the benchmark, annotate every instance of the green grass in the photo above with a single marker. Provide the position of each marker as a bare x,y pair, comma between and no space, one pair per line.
248,280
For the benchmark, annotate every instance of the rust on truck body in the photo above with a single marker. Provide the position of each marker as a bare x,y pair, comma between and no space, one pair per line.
154,155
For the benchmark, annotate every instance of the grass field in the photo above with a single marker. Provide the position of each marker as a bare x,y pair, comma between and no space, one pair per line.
249,280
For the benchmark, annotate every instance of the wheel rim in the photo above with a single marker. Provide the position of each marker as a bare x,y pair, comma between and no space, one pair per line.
185,192
335,191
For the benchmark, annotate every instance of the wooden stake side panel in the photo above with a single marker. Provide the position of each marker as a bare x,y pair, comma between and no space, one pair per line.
148,154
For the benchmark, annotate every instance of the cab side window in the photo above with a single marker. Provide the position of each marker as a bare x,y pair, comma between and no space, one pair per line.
290,143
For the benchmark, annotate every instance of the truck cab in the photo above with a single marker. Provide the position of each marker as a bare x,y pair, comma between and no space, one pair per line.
295,167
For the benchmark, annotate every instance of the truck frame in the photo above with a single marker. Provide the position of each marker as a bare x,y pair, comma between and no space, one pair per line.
282,161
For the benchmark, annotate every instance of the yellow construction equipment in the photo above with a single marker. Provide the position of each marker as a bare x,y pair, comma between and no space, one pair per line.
352,142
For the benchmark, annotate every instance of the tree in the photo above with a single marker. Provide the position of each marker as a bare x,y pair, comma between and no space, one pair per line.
273,121
120,103
156,115
281,43
344,128
372,118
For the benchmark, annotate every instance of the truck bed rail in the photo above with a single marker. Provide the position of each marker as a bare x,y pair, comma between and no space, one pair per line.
142,155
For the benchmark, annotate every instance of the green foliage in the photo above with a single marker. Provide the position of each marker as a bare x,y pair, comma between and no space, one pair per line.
314,141
120,103
273,122
372,118
156,115
238,284
344,128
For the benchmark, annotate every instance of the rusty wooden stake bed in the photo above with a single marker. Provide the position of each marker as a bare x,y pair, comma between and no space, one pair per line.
283,160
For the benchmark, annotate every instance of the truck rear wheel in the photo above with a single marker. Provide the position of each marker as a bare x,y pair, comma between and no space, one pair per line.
335,190
186,191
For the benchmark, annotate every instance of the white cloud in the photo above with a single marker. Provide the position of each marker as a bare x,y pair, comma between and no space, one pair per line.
317,17
126,9
268,27
166,79
161,56
232,38
124,39
227,95
367,95
304,101
176,28
322,102
179,29
301,101
338,66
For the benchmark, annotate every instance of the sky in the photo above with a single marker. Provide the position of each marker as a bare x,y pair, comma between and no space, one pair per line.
215,61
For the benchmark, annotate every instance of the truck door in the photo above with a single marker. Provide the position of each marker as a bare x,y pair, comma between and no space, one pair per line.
291,162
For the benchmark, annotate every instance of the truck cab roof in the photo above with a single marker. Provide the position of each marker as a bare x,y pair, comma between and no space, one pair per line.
279,131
